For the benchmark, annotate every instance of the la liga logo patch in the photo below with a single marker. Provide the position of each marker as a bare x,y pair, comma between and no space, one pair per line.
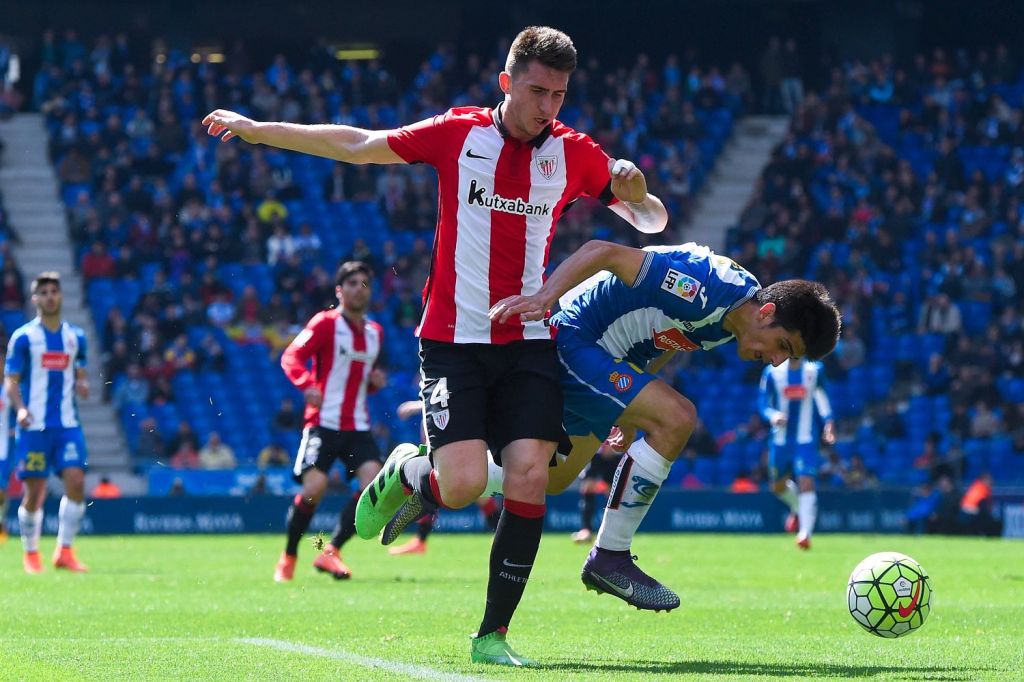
683,286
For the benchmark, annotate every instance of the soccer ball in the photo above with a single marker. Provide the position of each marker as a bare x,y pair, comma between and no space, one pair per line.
889,594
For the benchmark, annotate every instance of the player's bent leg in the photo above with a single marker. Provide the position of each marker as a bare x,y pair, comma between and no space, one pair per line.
385,494
329,560
668,419
564,472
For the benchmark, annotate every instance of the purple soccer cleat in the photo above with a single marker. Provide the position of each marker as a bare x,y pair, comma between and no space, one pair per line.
617,575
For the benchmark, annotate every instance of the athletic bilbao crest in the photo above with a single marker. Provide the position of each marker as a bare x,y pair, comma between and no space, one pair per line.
547,165
440,419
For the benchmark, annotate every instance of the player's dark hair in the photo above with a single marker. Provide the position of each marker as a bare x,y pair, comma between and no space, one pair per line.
49,277
349,268
549,46
805,307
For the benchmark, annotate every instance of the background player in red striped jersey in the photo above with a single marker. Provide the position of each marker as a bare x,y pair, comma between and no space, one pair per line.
344,348
505,176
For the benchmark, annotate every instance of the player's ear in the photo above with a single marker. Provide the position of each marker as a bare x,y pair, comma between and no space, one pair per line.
766,313
505,81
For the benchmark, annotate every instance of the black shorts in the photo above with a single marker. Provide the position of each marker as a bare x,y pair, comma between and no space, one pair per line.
494,393
320,447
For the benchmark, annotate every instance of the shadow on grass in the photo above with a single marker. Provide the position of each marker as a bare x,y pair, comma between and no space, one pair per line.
779,670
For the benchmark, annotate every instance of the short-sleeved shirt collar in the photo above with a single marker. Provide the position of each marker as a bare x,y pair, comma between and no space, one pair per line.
500,125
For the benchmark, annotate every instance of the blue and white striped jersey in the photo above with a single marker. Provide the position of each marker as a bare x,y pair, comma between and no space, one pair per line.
46,362
678,302
799,394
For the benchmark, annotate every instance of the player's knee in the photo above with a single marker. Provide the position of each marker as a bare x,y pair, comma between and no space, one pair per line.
678,417
529,480
460,488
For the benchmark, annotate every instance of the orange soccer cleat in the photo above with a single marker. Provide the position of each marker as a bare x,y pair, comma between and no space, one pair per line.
285,569
414,546
330,561
33,564
64,557
803,543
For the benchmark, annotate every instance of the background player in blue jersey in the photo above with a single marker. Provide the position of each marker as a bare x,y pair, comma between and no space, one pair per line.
5,460
793,400
655,303
43,372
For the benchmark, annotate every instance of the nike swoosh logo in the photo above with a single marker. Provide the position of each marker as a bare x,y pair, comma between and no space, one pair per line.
512,565
471,155
627,593
905,611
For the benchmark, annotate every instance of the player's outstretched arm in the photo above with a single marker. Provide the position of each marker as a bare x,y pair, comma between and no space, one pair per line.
643,211
341,143
622,261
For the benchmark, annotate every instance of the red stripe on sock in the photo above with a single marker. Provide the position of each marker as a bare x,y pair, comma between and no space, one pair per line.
304,506
436,489
525,509
621,480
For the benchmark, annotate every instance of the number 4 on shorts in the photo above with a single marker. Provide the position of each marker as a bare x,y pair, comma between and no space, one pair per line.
440,393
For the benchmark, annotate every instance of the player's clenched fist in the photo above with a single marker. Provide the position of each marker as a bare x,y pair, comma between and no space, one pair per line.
230,124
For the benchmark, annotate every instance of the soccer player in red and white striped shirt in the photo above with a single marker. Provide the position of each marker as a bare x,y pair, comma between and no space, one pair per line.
505,175
344,349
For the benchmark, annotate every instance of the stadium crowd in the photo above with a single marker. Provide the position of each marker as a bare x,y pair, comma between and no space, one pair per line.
899,187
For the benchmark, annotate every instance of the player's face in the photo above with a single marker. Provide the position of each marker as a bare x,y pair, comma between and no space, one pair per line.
770,345
534,98
354,293
47,299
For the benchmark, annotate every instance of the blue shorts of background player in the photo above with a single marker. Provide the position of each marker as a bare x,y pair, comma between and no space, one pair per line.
39,453
794,460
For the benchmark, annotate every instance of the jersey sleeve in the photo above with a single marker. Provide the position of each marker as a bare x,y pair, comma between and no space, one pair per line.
821,401
81,358
423,141
17,354
596,179
767,396
380,361
296,357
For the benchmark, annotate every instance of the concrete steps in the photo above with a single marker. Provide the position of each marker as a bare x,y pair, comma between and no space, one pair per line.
733,180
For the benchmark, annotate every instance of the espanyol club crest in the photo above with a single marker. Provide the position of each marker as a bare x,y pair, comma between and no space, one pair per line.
440,419
547,165
622,382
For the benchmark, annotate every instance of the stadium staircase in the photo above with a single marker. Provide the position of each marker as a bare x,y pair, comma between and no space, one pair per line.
734,178
31,194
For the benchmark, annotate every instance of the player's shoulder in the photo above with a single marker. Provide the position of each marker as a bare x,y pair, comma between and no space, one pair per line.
25,329
571,136
469,116
74,328
375,326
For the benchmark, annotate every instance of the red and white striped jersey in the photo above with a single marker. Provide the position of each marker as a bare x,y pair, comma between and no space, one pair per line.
499,202
343,356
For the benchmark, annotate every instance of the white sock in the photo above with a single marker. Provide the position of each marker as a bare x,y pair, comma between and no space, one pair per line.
637,480
70,518
808,513
790,496
31,528
495,476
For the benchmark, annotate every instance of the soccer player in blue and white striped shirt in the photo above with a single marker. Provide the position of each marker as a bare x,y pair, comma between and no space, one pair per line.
44,374
793,400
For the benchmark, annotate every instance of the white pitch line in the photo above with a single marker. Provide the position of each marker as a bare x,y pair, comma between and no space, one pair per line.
406,669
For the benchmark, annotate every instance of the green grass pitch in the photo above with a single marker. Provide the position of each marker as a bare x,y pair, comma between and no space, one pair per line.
181,608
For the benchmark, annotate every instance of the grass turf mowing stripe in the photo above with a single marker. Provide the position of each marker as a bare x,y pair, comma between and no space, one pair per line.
414,671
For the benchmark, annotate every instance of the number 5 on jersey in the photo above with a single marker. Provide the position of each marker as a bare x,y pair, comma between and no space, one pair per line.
439,396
